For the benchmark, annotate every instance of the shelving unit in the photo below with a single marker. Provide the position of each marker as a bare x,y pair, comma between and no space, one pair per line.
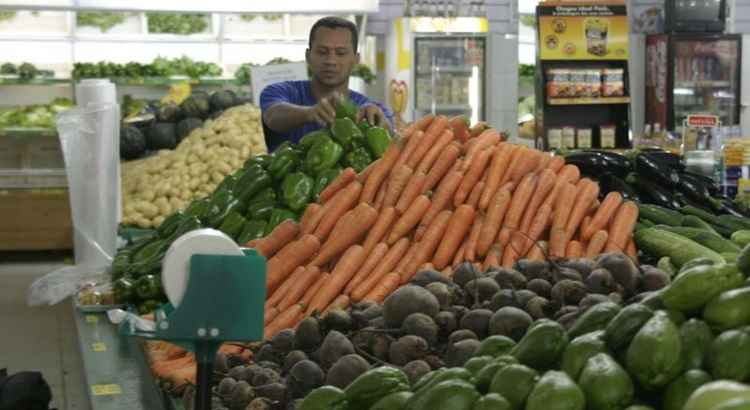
588,101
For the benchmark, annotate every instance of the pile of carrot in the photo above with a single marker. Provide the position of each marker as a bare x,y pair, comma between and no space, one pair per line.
442,194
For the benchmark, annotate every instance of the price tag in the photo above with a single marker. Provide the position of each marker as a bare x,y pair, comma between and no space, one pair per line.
99,347
92,319
105,389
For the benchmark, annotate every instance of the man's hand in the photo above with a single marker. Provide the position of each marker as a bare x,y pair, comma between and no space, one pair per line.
324,112
374,115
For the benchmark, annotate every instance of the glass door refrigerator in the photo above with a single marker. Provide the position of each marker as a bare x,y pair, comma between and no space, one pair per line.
450,75
692,74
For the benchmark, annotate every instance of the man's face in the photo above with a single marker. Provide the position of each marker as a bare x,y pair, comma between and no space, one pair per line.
331,56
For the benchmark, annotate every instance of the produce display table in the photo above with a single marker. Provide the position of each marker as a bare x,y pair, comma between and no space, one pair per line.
115,367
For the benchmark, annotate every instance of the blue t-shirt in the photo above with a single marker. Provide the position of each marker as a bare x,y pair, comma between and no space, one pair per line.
300,93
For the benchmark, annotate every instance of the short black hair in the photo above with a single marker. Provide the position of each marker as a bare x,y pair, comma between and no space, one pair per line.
334,22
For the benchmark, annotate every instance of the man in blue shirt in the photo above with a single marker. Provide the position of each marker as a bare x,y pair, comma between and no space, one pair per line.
292,109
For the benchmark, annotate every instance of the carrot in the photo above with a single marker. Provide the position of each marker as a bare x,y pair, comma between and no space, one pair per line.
568,174
340,205
493,220
574,250
443,196
476,194
313,290
457,228
556,163
380,197
281,235
344,271
427,266
470,245
295,293
461,254
478,129
460,126
584,225
282,290
432,155
401,265
290,257
493,258
544,160
285,320
547,180
397,181
380,229
426,249
537,252
510,256
585,196
602,216
372,260
366,286
519,202
522,241
621,227
525,165
558,240
413,189
473,174
595,204
447,272
362,176
515,156
597,243
409,219
442,165
392,257
341,302
487,139
497,169
385,287
345,178
269,314
379,173
430,138
631,250
409,145
309,216
347,232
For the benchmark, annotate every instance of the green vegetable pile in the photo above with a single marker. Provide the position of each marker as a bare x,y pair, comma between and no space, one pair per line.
25,71
7,15
364,72
103,20
160,67
177,23
34,116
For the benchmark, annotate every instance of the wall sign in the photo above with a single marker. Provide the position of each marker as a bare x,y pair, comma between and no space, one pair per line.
266,75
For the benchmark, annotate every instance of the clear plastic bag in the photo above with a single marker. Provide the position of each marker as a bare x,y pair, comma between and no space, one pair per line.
89,137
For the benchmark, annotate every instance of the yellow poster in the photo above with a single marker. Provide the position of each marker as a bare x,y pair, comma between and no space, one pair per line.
583,32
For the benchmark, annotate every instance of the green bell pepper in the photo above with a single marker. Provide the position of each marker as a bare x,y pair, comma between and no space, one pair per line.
364,126
323,179
358,158
232,224
198,208
278,216
285,160
253,184
148,306
228,184
120,263
188,224
377,141
346,133
345,108
266,195
148,287
263,161
322,156
169,225
123,290
297,188
253,229
260,210
148,251
312,138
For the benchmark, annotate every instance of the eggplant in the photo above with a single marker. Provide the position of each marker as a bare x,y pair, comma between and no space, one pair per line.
595,163
708,182
609,182
656,172
666,158
653,193
693,188
620,161
728,207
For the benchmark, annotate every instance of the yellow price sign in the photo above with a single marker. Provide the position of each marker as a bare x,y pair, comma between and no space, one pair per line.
92,319
105,389
99,347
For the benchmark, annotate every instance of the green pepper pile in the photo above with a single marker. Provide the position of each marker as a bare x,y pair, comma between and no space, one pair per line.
250,203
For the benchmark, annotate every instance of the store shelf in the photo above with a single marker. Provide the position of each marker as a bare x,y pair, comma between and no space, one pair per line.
200,6
588,101
446,108
150,81
702,84
28,132
445,69
34,81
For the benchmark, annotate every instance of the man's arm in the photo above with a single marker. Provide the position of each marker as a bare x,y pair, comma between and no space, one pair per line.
283,117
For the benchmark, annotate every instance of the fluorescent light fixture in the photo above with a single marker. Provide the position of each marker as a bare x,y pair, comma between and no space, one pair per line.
684,91
474,94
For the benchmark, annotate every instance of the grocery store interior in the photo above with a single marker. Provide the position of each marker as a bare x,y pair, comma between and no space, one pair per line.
463,204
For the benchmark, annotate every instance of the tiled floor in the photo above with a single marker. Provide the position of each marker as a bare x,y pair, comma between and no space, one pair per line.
39,338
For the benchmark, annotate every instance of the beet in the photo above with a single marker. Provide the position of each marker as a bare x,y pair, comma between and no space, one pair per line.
419,324
378,322
275,392
464,273
510,279
415,370
380,345
653,278
283,342
523,297
407,300
511,322
539,307
533,269
615,297
265,376
461,334
234,360
582,266
459,311
434,361
334,347
477,321
562,273
565,310
480,290
225,386
271,365
236,372
346,369
268,353
308,334
568,292
441,292
540,286
406,349
259,403
591,300
600,281
503,298
446,323
567,320
426,277
363,305
460,352
248,374
622,268
337,319
220,363
304,376
292,358
241,395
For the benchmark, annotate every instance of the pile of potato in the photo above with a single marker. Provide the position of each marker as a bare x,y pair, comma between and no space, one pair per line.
156,187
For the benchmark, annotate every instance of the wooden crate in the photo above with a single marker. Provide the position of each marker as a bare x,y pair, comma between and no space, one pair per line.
35,220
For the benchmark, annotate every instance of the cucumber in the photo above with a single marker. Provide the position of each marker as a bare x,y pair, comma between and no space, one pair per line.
708,239
731,221
729,356
665,264
741,238
680,249
660,215
595,318
730,256
692,221
729,310
623,327
696,339
700,213
695,287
